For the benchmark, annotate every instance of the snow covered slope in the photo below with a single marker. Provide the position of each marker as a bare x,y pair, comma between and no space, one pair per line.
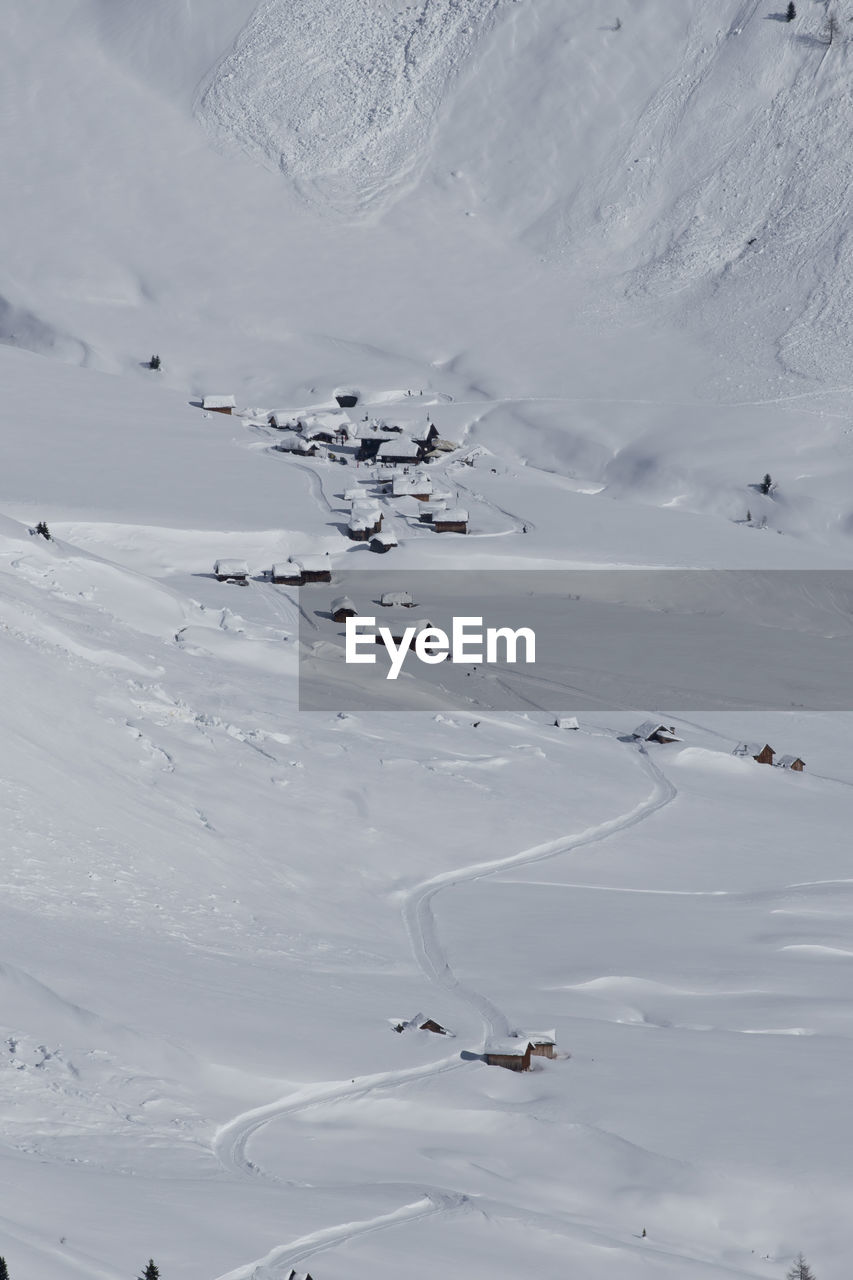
611,263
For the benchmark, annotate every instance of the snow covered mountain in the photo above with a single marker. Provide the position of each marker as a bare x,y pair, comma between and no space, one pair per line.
606,250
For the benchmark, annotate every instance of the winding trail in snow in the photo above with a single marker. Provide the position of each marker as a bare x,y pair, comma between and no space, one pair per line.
231,1139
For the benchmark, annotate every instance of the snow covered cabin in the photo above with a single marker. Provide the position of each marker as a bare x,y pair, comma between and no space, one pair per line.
514,1054
763,754
417,486
399,451
543,1044
566,722
383,542
284,421
231,571
365,520
791,762
398,599
301,570
219,404
651,731
453,521
343,608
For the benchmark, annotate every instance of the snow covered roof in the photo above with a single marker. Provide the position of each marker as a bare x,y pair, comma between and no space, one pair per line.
751,748
402,485
311,564
785,762
538,1037
435,504
649,728
516,1047
364,506
458,515
342,602
567,722
395,597
399,447
386,537
219,402
232,568
283,418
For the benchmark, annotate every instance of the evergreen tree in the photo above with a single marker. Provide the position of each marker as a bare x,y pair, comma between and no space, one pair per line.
151,1272
4,1270
154,362
767,483
44,532
748,517
791,13
800,1270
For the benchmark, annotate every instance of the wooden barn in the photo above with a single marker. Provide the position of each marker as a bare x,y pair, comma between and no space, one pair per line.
453,521
417,486
284,421
231,571
651,731
763,754
327,428
219,404
383,542
421,1023
514,1054
399,452
428,437
396,599
791,762
543,1044
300,571
364,523
429,510
343,608
296,443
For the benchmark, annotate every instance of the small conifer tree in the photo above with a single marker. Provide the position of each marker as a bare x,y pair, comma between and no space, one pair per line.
154,362
151,1272
43,531
791,12
800,1270
4,1270
767,483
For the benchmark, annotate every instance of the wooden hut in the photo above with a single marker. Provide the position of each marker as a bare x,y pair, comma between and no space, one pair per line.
763,754
219,404
343,608
429,510
284,421
364,522
232,571
651,731
791,762
396,599
428,437
514,1054
383,542
300,571
435,1027
543,1044
414,486
347,399
400,451
453,521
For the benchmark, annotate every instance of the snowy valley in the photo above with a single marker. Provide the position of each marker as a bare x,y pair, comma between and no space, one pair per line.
605,251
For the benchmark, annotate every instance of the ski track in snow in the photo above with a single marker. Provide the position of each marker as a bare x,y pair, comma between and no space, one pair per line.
231,1139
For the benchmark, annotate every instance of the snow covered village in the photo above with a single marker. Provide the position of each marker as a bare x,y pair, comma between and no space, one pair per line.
531,312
